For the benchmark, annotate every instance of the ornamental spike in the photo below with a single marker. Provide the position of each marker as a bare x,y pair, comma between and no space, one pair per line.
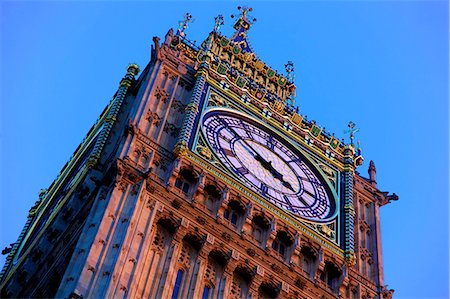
183,25
218,22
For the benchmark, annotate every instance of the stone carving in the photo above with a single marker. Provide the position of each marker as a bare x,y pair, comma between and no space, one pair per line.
161,94
153,118
171,129
178,106
205,152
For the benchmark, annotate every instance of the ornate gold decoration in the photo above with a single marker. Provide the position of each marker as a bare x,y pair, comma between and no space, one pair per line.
350,259
205,152
278,106
217,100
180,148
326,230
192,107
92,161
296,119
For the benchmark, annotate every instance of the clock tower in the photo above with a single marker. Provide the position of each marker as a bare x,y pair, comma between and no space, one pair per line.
201,179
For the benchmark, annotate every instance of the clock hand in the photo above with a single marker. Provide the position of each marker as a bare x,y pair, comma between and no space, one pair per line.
243,142
265,164
276,175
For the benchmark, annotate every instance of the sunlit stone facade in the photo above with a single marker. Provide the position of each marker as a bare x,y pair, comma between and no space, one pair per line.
149,208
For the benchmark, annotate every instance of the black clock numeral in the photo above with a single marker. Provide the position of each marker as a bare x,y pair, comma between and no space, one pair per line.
310,194
264,189
270,143
287,200
228,152
303,201
242,170
294,161
225,138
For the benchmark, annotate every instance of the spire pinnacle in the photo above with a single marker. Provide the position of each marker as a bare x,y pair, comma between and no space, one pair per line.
244,20
218,22
352,130
242,25
183,25
289,66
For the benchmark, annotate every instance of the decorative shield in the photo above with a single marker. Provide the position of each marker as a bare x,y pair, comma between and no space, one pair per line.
224,42
315,131
270,73
259,94
334,143
278,106
222,69
282,81
296,119
248,56
241,82
236,49
259,65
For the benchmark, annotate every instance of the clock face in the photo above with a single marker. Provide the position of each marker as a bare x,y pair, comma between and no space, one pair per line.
268,164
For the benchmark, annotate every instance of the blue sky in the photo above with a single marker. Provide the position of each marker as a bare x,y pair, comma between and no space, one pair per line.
381,64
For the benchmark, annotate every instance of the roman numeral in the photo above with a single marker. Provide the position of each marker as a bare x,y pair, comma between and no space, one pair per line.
270,144
227,152
309,193
225,138
264,188
294,160
242,170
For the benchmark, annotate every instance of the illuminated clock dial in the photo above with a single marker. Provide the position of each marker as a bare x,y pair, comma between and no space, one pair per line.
267,164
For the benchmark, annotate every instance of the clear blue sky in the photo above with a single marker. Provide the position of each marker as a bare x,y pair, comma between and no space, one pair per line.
382,64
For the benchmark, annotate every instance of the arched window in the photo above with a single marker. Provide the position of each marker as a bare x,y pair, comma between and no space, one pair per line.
212,197
177,286
206,291
308,260
234,213
240,282
267,290
330,275
282,243
260,228
185,180
213,278
369,267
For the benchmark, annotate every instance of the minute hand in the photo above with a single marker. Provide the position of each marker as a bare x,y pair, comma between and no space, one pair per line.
276,175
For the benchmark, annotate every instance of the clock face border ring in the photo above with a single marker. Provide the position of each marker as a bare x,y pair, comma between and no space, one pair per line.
333,198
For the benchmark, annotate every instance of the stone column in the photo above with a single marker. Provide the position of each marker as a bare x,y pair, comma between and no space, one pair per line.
349,211
111,116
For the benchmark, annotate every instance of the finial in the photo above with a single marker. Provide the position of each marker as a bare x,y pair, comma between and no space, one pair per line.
183,25
289,66
244,20
218,22
352,130
372,173
244,16
133,69
358,150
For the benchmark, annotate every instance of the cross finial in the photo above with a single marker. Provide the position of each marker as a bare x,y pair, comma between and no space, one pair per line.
289,66
352,130
245,17
218,22
183,25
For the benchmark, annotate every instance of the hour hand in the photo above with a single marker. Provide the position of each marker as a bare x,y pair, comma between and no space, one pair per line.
276,175
287,185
